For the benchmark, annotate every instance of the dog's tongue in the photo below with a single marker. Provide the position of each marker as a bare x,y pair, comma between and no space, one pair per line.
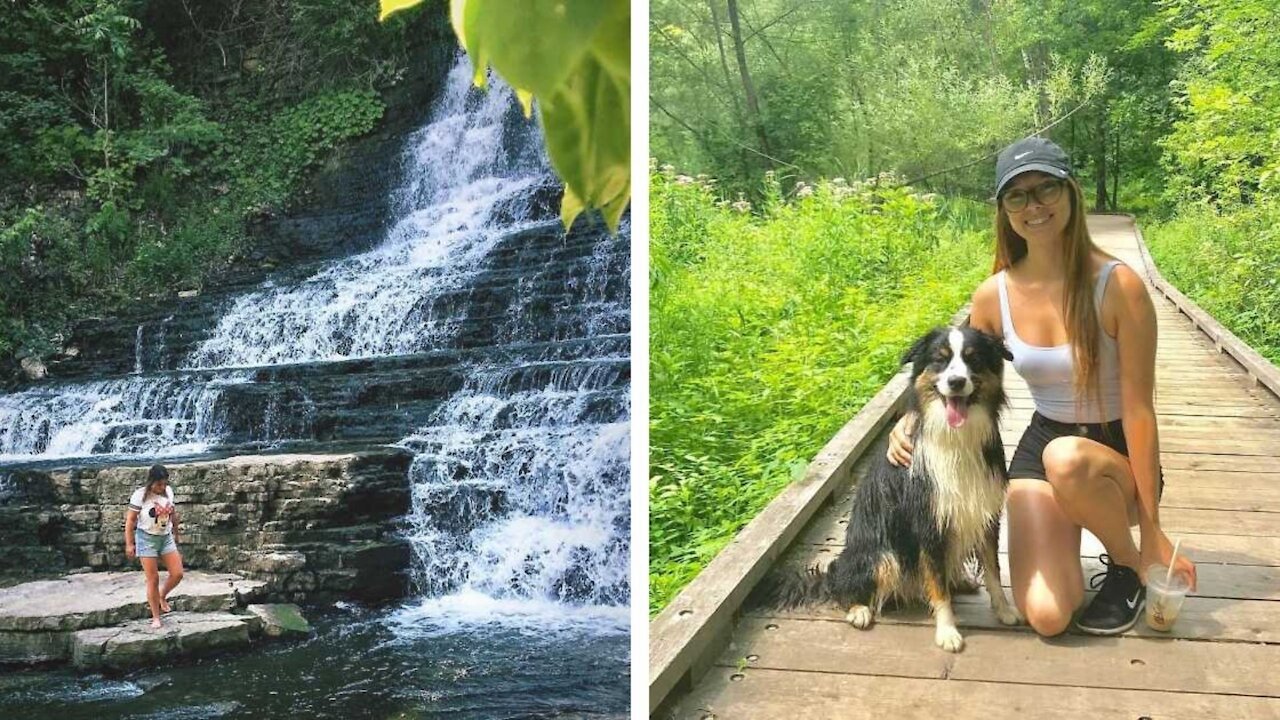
957,411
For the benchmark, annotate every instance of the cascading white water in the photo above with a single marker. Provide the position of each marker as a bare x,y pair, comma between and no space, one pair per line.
468,175
168,415
520,497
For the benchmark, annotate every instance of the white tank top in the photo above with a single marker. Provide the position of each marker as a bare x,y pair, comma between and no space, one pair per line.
1048,371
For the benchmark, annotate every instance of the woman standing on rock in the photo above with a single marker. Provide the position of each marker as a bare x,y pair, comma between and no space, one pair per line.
151,533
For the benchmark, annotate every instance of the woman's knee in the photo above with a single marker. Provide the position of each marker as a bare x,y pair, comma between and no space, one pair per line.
1064,462
1046,616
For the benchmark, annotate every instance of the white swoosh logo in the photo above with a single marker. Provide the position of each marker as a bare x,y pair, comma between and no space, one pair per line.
1134,602
1019,157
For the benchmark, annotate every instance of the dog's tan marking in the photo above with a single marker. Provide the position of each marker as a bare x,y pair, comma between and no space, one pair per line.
945,636
935,589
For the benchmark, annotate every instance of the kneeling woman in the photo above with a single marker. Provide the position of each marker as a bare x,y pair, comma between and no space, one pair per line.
151,533
1082,332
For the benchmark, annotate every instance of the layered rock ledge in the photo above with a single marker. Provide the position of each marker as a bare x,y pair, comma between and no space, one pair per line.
308,527
101,620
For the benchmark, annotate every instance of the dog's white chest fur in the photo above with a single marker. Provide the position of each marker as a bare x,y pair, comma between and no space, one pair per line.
967,490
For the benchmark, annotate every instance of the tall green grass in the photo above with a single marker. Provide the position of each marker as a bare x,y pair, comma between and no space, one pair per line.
1228,262
770,327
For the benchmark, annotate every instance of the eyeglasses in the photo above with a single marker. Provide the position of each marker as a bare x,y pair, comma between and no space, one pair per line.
1046,193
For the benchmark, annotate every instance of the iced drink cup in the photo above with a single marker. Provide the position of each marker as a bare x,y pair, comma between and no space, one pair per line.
1164,600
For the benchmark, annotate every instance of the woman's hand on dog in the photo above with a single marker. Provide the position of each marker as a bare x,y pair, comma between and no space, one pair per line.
1158,550
900,447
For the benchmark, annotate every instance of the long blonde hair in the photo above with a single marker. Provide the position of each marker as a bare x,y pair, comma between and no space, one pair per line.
1082,322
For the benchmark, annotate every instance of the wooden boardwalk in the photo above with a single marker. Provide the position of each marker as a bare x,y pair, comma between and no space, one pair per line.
1220,447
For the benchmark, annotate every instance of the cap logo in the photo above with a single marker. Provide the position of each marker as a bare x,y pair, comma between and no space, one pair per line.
1019,157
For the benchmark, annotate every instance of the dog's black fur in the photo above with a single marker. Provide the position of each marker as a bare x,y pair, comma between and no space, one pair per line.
912,529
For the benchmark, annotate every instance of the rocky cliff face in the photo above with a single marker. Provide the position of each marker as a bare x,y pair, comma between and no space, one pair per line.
311,527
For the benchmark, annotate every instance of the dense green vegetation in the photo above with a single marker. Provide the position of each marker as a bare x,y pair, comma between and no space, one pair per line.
1218,241
1170,110
770,326
138,137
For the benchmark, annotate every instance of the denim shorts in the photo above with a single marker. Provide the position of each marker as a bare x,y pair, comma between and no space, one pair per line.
1028,459
149,545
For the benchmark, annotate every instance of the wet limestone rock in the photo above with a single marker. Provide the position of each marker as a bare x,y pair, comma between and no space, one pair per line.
38,620
280,619
137,643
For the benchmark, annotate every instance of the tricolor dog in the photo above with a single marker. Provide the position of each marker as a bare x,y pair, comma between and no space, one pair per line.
912,529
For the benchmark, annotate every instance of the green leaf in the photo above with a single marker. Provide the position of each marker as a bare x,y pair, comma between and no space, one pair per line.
391,6
536,48
588,130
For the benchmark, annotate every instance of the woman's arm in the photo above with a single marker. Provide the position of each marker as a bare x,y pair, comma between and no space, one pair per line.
130,522
1136,340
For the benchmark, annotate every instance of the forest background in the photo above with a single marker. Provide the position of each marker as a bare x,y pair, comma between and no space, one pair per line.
141,140
821,190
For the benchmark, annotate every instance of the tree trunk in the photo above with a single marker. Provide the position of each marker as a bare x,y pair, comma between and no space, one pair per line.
748,88
728,82
1115,175
1100,160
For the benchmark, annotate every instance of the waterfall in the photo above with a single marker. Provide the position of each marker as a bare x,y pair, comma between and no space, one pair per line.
468,175
520,479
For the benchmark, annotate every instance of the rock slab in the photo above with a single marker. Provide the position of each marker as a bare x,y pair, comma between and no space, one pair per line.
39,620
137,643
280,620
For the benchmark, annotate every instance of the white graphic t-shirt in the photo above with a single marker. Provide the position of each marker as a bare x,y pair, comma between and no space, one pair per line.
153,510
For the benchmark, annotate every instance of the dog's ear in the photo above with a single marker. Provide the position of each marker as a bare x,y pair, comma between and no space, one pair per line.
918,346
998,344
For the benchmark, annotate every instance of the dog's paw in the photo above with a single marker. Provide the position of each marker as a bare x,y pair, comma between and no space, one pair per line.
1008,615
859,616
949,639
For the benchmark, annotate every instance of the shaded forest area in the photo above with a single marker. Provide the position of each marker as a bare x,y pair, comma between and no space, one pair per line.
1157,103
821,181
140,140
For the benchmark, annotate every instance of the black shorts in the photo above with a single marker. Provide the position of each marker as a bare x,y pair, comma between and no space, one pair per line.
1028,459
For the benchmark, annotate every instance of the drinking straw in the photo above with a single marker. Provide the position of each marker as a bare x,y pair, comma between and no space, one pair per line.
1168,576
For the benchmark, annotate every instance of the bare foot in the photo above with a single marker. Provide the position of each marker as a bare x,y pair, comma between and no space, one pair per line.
156,624
164,606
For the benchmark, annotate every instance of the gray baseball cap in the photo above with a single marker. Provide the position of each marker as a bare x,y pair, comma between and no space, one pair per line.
1027,155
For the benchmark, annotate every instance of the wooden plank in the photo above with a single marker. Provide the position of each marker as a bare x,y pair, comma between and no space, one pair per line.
1183,447
1202,618
1217,462
1216,580
831,521
1241,409
1205,549
1005,656
776,694
1180,495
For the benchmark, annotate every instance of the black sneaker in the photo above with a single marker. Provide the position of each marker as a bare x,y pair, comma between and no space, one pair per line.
1118,603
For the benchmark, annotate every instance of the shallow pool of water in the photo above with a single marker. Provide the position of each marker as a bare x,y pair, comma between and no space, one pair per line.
358,664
